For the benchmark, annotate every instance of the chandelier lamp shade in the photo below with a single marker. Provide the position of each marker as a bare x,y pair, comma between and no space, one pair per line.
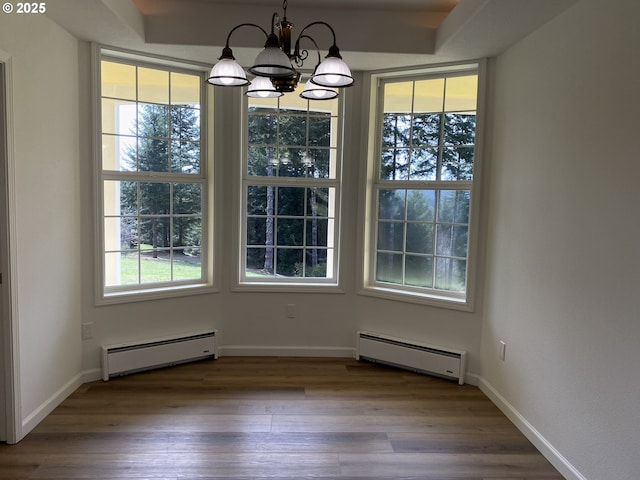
262,87
275,68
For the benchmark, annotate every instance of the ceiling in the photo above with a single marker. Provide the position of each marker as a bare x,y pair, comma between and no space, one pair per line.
371,34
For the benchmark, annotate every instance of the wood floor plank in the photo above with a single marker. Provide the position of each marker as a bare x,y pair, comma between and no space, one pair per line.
279,419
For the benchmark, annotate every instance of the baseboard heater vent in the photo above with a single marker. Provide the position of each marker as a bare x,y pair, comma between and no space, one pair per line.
419,357
127,358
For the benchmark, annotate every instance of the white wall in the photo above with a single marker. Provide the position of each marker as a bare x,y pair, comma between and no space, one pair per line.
563,265
45,134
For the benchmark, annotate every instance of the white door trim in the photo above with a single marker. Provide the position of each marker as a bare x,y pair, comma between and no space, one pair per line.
8,289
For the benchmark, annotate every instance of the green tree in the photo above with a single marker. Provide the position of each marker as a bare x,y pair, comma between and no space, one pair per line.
286,143
168,141
411,145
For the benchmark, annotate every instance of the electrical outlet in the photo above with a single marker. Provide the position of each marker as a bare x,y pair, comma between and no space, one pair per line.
503,350
87,331
291,310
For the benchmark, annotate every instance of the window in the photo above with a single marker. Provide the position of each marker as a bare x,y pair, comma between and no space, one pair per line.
153,180
420,195
291,190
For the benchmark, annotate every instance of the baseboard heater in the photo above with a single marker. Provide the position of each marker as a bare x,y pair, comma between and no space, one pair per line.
419,357
126,358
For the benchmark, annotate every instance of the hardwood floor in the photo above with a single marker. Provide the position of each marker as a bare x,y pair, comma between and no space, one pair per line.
277,418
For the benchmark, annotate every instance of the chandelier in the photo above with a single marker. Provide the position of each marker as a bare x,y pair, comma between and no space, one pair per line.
274,69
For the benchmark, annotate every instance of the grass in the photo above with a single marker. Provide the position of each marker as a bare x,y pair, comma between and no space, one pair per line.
157,270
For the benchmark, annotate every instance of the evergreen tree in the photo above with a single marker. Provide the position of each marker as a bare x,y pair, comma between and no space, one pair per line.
168,141
286,143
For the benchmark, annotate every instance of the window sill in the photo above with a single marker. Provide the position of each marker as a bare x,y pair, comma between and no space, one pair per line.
287,287
462,304
143,295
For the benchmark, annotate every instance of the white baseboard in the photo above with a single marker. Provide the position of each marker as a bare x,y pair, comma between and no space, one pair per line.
540,442
40,413
472,379
91,375
284,351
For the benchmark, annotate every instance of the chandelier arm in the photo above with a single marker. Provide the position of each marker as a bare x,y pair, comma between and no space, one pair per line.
299,55
245,25
333,33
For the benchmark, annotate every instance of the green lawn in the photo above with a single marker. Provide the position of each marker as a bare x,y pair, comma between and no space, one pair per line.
156,270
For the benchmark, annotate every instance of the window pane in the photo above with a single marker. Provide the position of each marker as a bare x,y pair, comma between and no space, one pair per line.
391,204
452,240
316,263
396,130
320,131
187,231
153,155
113,241
121,198
118,80
419,271
317,232
395,164
292,130
121,233
187,198
185,123
257,199
155,198
318,162
289,262
426,130
121,269
451,274
187,264
421,205
291,201
256,261
453,206
461,93
290,232
261,161
398,97
429,95
419,238
459,129
424,164
318,201
293,163
119,153
155,267
391,236
185,157
185,89
154,233
262,129
389,268
153,85
257,230
118,117
153,120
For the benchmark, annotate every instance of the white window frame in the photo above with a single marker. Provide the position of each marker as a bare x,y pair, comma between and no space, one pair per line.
295,284
426,296
104,294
